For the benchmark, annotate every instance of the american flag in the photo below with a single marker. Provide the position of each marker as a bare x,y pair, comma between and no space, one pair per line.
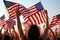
9,24
38,14
11,7
2,21
35,14
55,20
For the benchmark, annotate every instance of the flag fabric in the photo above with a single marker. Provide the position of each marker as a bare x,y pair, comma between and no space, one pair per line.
55,20
35,13
9,25
2,17
2,22
38,14
12,6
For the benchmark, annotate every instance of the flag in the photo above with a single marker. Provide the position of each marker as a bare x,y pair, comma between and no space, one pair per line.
9,25
35,14
55,20
12,6
2,17
2,22
38,14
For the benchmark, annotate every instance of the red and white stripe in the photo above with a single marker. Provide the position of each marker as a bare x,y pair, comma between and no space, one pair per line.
54,21
2,22
12,10
37,18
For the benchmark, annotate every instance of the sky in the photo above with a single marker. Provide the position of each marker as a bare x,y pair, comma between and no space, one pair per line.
52,6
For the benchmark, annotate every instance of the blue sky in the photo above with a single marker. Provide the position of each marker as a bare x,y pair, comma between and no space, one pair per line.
52,6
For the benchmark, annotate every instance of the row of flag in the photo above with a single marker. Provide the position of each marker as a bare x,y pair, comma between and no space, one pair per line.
35,14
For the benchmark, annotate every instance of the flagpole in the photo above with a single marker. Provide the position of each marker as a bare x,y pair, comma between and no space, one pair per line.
18,23
6,12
